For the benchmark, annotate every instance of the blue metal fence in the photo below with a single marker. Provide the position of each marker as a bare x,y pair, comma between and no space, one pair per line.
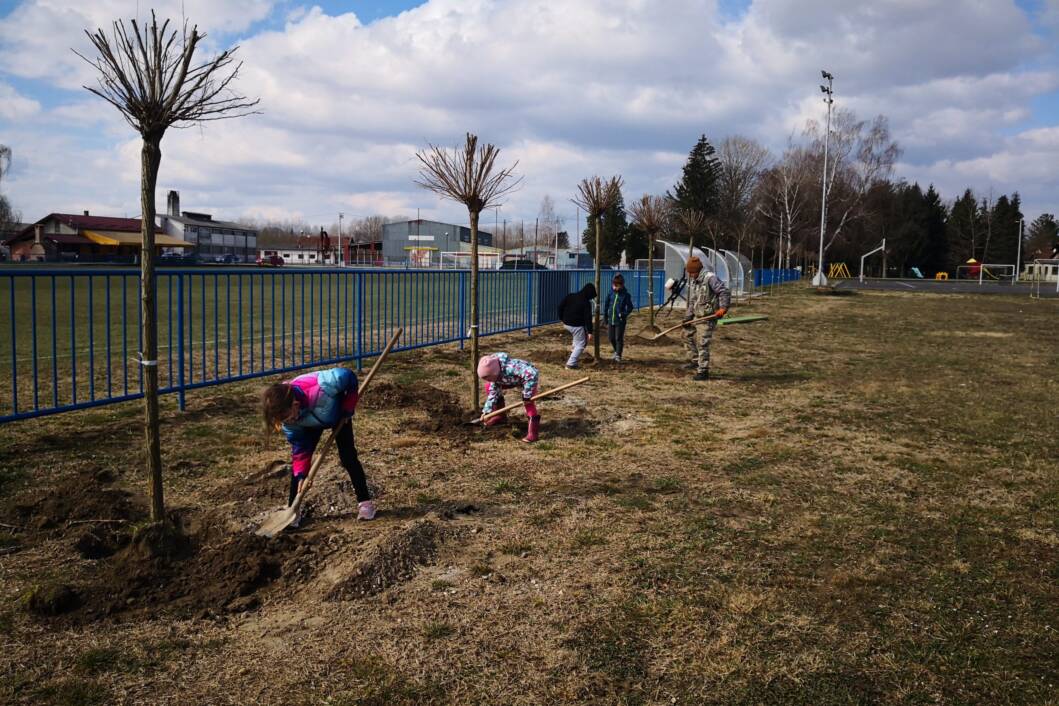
73,335
773,275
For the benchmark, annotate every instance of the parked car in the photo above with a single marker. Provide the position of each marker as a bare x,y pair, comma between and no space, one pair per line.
270,261
178,258
226,259
522,265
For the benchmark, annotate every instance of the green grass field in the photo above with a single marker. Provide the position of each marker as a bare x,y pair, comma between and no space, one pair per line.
234,324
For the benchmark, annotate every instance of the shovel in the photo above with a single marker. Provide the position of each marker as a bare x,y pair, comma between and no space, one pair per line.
281,519
727,321
485,417
682,324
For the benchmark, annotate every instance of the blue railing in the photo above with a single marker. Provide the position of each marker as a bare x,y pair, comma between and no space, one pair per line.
766,277
72,339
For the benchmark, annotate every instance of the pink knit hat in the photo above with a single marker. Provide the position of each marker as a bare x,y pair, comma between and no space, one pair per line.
488,367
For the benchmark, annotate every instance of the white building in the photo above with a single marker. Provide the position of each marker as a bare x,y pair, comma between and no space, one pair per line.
307,257
211,238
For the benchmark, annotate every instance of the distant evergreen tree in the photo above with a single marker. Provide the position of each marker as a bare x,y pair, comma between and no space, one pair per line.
615,231
935,255
966,231
698,187
1042,237
636,244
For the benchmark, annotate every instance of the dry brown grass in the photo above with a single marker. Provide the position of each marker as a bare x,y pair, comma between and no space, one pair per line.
862,507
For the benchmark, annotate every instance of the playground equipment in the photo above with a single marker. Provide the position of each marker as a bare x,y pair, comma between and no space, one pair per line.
881,248
941,276
838,270
986,271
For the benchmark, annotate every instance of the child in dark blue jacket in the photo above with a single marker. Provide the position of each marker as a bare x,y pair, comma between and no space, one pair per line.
616,310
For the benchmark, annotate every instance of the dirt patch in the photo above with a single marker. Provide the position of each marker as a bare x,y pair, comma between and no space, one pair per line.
198,574
85,499
387,395
392,561
51,599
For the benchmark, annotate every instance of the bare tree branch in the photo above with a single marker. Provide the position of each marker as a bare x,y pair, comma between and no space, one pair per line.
467,175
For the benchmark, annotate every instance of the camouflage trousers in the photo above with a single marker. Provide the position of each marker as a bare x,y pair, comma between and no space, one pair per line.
697,343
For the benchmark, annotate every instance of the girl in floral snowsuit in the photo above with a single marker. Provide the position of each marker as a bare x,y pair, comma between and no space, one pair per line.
502,372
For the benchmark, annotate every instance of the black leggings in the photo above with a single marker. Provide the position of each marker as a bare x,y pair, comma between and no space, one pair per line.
347,454
616,332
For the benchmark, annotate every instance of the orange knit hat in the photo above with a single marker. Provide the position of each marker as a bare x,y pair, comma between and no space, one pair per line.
693,266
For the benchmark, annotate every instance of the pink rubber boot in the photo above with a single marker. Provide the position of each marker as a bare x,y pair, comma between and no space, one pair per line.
534,430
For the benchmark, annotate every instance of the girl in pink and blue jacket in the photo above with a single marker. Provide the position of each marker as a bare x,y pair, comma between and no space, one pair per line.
302,409
500,371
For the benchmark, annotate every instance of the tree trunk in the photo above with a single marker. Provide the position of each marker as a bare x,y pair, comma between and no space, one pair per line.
599,281
474,310
651,279
151,158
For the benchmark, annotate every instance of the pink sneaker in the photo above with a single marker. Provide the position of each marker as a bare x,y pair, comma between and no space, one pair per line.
366,510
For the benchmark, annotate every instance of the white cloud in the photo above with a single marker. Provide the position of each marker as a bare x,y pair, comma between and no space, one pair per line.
568,89
37,37
14,106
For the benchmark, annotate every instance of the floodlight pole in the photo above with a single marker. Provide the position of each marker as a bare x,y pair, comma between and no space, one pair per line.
820,280
341,256
1018,255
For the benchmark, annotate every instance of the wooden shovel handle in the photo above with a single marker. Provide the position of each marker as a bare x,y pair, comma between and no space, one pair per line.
549,393
307,483
683,324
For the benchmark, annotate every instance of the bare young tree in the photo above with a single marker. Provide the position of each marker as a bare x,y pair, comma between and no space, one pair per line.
468,175
5,160
148,74
691,222
596,195
7,213
651,214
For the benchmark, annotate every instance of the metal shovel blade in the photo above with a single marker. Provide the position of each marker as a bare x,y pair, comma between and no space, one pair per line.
277,522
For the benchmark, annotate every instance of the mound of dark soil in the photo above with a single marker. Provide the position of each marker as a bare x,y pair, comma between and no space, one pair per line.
386,395
85,499
444,414
163,570
392,561
642,340
51,599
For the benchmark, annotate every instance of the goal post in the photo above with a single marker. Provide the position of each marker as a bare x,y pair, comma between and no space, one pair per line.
458,260
1044,270
987,272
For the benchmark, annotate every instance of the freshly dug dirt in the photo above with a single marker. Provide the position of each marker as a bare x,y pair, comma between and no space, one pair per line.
86,499
387,395
51,599
638,341
195,575
392,561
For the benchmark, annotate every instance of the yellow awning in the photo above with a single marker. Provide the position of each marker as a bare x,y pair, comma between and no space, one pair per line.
114,237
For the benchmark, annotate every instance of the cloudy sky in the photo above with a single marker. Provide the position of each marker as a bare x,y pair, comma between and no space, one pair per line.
350,89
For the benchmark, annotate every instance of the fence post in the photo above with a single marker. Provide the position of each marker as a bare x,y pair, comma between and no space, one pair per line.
360,320
462,293
529,301
180,341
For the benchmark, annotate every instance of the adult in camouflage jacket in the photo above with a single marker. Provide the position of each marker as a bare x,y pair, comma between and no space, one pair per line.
707,295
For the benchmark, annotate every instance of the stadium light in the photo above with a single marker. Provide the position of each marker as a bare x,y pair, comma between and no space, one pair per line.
820,279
